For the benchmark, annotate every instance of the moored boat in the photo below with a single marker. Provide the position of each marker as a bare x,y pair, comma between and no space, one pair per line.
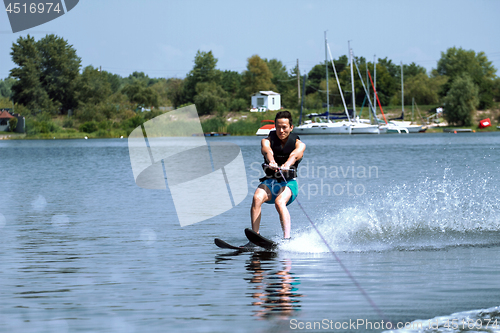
393,129
265,129
310,127
362,128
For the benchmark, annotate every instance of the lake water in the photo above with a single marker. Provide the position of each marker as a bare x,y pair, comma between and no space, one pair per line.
415,229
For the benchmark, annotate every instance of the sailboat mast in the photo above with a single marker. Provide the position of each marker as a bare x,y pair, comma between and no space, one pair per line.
412,104
364,87
352,80
375,81
338,84
402,93
368,83
302,99
298,81
327,91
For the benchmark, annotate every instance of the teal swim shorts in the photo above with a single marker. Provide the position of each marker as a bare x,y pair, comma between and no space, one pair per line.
275,187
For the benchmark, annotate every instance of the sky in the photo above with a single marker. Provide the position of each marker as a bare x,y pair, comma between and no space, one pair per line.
161,37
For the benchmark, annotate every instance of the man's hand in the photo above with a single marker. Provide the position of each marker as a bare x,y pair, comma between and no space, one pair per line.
273,165
285,167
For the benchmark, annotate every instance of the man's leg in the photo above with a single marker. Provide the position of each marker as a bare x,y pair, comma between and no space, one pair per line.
280,204
261,195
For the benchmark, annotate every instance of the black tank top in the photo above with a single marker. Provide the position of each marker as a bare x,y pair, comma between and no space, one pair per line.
281,155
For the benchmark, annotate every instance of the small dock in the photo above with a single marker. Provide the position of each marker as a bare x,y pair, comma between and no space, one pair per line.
216,134
458,130
213,134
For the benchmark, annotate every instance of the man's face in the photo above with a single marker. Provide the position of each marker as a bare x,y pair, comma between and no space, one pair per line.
283,128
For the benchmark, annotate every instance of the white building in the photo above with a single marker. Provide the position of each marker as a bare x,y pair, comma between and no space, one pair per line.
267,99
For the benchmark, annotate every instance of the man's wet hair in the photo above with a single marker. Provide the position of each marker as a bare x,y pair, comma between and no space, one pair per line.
284,115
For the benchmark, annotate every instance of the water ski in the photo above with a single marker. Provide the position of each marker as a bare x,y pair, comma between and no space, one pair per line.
224,245
260,240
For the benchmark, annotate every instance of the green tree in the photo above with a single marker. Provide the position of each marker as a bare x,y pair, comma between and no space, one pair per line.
88,127
345,81
141,77
161,89
387,85
333,88
423,88
280,79
393,69
204,70
12,124
6,87
417,84
231,83
314,101
314,78
454,63
318,73
238,104
289,98
257,77
461,101
94,96
60,68
115,81
496,89
175,91
412,70
27,88
141,95
5,102
285,82
93,86
210,98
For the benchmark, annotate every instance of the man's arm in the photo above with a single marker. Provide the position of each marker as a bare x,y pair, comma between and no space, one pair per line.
268,153
295,155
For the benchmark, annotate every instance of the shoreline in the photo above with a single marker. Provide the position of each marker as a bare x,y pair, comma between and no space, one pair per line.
51,136
235,123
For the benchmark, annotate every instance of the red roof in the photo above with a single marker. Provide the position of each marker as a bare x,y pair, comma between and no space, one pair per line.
5,115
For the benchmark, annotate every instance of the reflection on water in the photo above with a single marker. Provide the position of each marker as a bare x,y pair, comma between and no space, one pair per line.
84,249
274,292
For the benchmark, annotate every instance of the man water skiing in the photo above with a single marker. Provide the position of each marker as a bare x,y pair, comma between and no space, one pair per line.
282,152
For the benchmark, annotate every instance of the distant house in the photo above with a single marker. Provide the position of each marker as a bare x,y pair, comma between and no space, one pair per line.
5,116
268,99
4,120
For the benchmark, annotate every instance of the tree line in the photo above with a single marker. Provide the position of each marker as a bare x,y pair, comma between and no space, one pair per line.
49,79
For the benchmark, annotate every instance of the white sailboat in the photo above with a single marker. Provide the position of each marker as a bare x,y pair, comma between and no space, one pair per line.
358,127
407,125
391,128
328,126
401,123
387,127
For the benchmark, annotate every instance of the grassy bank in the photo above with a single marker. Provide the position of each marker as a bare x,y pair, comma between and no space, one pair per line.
234,123
10,135
239,123
474,128
73,134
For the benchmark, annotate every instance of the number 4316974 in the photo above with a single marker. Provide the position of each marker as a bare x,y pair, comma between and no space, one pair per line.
32,8
470,324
